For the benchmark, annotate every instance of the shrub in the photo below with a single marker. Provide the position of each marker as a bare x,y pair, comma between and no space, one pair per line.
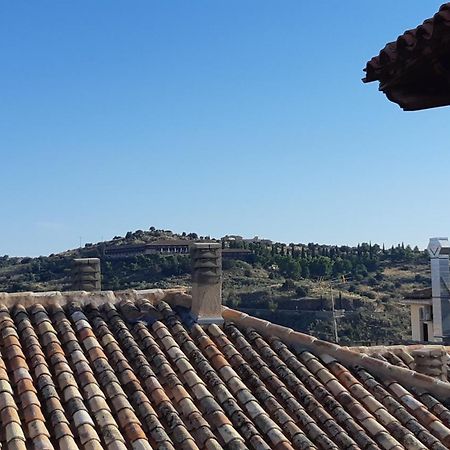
301,291
288,285
228,264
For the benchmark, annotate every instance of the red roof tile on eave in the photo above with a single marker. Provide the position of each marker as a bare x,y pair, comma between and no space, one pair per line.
411,45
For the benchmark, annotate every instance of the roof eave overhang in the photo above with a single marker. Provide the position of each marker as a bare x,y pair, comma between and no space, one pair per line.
417,90
417,301
414,70
415,102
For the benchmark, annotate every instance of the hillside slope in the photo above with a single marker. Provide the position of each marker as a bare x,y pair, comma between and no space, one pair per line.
289,284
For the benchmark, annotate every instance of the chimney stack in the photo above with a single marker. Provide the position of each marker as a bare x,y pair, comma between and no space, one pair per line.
206,260
86,274
439,251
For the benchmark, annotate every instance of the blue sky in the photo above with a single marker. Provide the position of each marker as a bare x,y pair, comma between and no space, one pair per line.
243,117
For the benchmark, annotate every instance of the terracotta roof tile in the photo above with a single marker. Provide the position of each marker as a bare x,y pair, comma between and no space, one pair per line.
410,46
85,376
413,69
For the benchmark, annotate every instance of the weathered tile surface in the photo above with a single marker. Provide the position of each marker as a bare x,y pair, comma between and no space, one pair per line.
97,377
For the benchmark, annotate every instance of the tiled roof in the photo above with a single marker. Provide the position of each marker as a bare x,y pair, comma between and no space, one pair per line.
137,375
411,44
413,69
420,294
433,360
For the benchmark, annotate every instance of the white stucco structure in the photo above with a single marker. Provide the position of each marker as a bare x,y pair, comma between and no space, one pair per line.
439,251
430,314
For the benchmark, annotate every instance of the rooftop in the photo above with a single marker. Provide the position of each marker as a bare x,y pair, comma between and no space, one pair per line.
420,294
413,70
433,360
133,370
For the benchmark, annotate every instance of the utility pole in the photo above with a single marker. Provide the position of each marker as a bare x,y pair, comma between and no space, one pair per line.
323,289
335,329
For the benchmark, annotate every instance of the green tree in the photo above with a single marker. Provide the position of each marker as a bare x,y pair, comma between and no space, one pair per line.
321,266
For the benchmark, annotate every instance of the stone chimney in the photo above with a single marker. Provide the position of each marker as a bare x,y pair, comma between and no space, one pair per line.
207,282
439,251
431,361
86,274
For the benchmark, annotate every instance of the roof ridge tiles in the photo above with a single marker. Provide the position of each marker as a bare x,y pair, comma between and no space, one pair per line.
395,349
300,340
175,296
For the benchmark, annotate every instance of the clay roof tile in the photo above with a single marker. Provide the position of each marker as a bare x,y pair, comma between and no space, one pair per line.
251,383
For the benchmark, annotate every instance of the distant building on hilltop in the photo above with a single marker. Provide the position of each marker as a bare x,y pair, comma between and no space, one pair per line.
257,240
179,246
124,251
242,254
169,247
232,239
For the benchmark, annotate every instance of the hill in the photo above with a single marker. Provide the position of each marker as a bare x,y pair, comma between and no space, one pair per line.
292,284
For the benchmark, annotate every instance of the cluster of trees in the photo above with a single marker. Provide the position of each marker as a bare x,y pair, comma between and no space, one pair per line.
151,234
292,261
123,273
26,274
315,261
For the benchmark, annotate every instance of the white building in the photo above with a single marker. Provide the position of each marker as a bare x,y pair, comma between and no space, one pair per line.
430,308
